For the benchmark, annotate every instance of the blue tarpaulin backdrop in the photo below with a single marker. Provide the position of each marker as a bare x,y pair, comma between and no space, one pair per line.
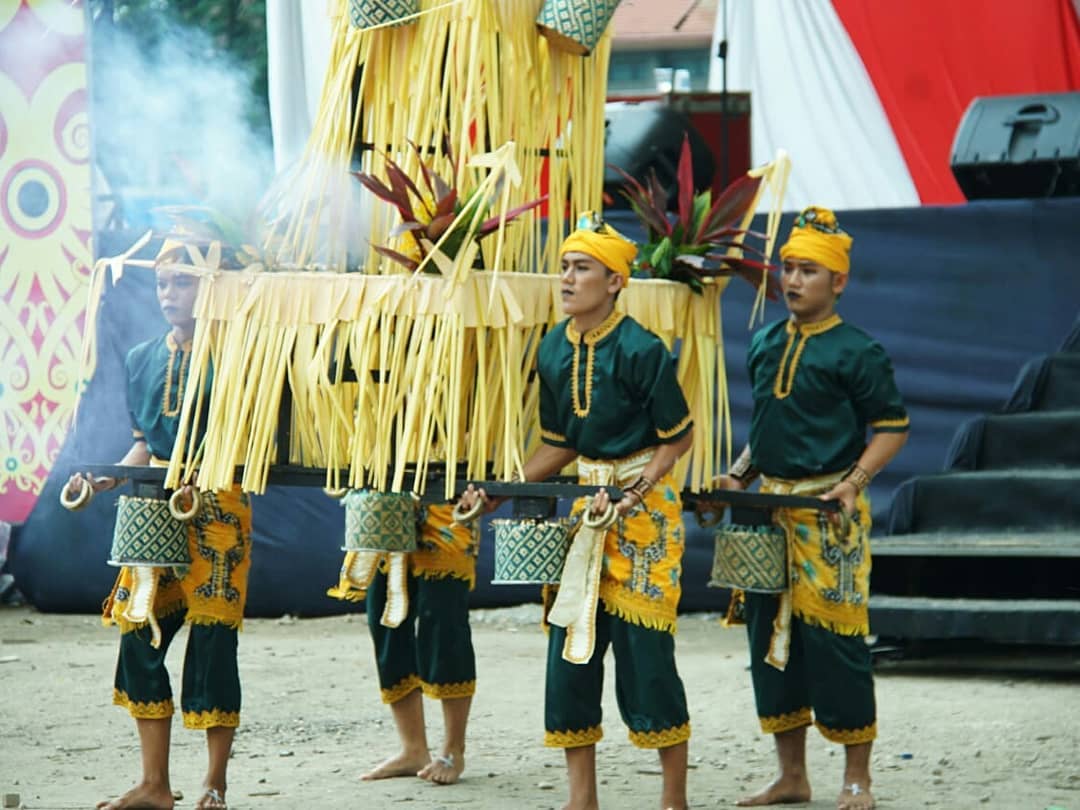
961,298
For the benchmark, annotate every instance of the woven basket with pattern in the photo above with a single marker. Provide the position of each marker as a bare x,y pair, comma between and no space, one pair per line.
530,551
380,521
751,558
575,25
370,13
147,534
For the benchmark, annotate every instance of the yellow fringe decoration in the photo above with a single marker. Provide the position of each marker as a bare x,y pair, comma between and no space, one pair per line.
441,691
573,739
840,628
660,739
212,719
442,359
158,710
398,691
636,608
463,568
209,621
855,736
786,722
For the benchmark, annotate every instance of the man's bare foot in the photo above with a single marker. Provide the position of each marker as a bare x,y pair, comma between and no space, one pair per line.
855,797
404,764
444,769
141,797
211,799
581,806
784,790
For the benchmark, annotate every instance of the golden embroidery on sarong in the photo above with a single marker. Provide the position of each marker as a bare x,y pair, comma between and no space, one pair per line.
444,549
214,587
642,564
829,575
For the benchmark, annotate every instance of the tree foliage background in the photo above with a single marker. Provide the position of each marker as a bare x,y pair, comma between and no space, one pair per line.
166,73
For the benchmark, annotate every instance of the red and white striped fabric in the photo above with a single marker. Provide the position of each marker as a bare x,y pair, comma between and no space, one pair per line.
866,95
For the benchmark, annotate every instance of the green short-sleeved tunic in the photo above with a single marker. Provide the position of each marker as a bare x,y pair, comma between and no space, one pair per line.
817,388
611,392
157,373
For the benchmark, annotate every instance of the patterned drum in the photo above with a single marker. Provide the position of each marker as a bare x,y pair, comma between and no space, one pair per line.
751,558
380,521
575,25
530,551
370,13
147,534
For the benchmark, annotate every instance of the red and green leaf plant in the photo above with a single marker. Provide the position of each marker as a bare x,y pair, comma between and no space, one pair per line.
426,213
692,246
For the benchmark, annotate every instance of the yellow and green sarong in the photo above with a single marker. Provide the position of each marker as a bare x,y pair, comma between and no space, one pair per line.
639,589
432,648
210,596
809,662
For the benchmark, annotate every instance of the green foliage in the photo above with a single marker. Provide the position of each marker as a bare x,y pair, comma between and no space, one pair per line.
693,246
236,28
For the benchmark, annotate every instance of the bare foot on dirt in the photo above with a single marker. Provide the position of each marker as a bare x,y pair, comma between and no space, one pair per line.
211,799
444,769
141,797
404,764
855,797
782,791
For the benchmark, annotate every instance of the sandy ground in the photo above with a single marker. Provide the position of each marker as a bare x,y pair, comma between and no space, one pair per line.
950,737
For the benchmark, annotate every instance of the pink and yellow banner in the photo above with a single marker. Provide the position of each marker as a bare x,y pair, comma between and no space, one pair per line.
45,230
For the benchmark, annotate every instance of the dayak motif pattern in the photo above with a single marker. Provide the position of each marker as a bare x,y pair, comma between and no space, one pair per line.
45,229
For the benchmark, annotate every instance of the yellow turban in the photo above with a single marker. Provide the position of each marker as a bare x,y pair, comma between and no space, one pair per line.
603,243
817,237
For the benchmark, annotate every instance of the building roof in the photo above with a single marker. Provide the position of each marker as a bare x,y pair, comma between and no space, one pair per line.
640,24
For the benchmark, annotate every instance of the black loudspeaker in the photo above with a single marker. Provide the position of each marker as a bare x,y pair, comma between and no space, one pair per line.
1019,146
645,135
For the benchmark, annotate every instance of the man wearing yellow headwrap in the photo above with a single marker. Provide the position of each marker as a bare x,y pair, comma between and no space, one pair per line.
609,399
819,385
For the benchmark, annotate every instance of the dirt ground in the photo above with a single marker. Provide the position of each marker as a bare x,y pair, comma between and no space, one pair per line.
950,736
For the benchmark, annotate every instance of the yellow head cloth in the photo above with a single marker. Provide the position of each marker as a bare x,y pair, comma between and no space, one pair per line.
816,236
603,243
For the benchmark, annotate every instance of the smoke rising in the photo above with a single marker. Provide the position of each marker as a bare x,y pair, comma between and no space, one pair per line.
175,122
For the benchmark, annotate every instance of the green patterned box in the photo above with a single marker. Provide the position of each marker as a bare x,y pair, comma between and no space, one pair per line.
575,25
370,13
380,521
530,551
147,534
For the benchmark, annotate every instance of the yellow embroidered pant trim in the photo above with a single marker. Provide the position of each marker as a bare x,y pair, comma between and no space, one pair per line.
660,739
852,736
573,739
402,689
143,711
442,691
787,722
213,719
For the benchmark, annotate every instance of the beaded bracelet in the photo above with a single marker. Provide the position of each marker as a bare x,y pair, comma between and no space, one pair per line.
859,477
641,487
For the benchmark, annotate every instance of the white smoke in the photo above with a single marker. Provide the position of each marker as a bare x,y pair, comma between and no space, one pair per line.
174,125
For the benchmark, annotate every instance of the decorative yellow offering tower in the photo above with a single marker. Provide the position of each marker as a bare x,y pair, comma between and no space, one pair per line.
419,347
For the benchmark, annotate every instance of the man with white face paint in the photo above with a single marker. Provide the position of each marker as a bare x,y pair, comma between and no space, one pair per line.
209,597
819,384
